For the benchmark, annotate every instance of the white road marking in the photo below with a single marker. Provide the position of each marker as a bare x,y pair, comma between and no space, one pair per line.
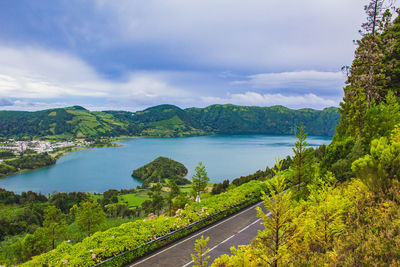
187,264
195,236
241,230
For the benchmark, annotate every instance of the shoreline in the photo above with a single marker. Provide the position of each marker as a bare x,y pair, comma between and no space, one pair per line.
63,152
110,142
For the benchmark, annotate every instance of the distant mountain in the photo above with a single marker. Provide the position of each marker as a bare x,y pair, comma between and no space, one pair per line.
165,121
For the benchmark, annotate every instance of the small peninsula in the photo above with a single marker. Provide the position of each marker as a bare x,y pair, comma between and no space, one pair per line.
160,169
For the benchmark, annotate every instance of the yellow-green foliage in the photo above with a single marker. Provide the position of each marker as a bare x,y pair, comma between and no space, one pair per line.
200,258
102,245
381,166
311,230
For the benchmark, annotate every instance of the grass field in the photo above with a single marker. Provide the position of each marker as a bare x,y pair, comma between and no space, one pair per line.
133,199
136,199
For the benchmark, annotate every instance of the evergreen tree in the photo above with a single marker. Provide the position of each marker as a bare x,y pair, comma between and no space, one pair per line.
89,216
200,258
199,180
54,224
174,191
301,164
380,167
273,244
157,201
367,82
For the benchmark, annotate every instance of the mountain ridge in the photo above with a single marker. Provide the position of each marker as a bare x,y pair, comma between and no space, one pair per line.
165,121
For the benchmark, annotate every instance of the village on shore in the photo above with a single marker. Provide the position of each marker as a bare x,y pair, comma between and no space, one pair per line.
38,146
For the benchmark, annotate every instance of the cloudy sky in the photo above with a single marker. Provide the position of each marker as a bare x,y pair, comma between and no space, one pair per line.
132,54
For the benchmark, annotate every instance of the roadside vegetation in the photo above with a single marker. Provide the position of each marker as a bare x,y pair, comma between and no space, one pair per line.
343,208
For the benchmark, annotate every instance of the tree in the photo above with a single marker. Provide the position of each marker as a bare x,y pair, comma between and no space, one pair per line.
54,224
34,244
273,243
157,201
199,180
89,216
301,163
322,219
174,191
368,79
377,18
181,200
200,258
378,168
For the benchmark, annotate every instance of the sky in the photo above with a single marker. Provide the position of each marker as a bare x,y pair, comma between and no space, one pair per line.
131,54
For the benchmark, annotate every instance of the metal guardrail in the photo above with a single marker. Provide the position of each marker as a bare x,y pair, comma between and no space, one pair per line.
174,235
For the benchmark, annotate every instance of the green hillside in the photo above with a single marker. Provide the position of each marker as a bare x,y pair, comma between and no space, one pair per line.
263,120
63,122
165,121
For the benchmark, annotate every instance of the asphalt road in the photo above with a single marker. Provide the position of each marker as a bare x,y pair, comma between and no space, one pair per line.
239,229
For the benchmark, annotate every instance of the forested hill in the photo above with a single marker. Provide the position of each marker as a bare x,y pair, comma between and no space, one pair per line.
166,121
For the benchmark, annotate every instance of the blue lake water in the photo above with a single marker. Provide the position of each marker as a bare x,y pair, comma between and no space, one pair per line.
100,169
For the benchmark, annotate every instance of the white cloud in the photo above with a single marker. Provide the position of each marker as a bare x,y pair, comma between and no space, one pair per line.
38,74
34,78
256,99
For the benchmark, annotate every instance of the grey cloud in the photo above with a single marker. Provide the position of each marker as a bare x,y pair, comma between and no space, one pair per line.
316,82
5,102
246,35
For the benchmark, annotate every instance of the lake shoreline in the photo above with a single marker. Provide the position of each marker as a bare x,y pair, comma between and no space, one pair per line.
63,152
225,157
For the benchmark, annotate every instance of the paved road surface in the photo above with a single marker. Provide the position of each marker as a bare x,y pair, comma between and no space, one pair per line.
239,229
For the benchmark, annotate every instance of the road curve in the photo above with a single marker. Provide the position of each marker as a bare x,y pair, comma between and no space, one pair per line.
239,229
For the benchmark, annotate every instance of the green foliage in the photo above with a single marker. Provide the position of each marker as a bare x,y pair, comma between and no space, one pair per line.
323,218
157,201
34,161
199,180
164,121
369,109
200,258
262,120
160,169
89,215
381,166
218,188
173,192
65,201
130,235
18,220
272,243
54,225
342,167
373,231
301,164
313,231
6,169
355,223
6,154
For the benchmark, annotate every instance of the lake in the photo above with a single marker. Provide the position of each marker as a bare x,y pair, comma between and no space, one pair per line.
100,169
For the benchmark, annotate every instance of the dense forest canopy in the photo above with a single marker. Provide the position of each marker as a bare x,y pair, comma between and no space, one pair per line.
165,121
160,169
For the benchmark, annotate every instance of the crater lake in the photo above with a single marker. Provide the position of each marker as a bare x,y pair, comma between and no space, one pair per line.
100,169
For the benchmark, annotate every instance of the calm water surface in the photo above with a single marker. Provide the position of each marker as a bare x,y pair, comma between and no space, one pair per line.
100,169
